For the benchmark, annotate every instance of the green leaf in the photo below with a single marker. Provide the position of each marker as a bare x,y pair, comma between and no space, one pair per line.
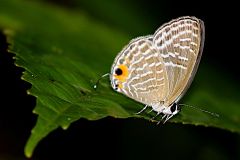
64,53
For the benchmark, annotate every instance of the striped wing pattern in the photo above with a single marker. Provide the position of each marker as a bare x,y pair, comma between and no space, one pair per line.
179,43
161,66
147,77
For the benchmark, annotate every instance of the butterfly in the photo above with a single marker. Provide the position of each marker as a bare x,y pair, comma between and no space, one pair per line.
156,70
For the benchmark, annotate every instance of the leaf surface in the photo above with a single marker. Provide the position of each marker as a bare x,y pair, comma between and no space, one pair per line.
64,53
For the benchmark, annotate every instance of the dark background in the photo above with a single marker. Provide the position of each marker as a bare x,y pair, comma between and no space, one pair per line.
111,138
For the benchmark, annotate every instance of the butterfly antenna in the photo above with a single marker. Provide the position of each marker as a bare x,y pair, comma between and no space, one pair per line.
96,84
211,113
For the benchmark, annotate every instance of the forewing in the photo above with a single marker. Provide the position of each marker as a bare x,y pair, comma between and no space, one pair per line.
146,80
180,44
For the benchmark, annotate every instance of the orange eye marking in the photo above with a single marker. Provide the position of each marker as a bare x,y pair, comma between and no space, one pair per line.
121,73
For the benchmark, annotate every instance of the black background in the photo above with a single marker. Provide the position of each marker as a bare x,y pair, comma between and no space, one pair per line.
111,138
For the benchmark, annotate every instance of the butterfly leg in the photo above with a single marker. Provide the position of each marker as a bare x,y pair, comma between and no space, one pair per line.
168,117
155,116
150,111
162,119
142,109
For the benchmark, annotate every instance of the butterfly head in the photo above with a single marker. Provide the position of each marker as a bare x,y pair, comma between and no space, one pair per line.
175,108
118,76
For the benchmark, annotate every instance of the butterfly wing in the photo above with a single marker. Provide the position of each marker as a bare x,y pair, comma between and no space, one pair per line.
145,78
180,44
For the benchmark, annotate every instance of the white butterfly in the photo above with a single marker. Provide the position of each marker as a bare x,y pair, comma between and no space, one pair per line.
157,70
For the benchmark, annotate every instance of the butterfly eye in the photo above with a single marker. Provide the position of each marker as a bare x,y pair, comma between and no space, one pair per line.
118,71
173,107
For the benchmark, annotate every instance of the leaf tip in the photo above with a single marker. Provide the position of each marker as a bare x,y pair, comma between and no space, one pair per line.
28,151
